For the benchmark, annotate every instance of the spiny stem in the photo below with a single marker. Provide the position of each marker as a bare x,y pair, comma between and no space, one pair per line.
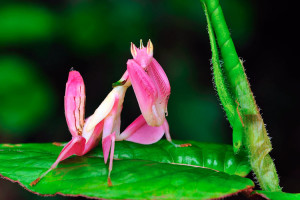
233,68
221,86
255,136
219,79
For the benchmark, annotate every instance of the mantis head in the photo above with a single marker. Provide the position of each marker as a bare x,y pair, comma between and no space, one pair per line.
143,55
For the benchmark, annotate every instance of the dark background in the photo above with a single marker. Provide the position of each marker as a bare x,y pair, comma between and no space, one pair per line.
41,40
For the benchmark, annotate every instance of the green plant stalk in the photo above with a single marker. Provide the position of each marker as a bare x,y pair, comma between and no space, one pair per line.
255,137
229,105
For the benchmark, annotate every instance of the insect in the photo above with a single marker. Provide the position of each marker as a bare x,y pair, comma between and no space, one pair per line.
152,90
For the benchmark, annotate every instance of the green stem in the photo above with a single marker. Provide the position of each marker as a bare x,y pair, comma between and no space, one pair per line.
233,68
226,98
255,137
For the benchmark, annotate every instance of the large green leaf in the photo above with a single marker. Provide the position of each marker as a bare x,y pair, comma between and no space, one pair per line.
279,195
141,171
215,156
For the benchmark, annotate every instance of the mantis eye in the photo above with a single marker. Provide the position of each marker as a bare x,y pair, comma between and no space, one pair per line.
150,48
141,44
133,50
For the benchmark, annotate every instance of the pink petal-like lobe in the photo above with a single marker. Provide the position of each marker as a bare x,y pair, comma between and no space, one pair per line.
162,84
140,132
145,92
94,139
75,103
74,147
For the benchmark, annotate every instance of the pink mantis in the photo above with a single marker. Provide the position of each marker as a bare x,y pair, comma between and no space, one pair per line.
152,89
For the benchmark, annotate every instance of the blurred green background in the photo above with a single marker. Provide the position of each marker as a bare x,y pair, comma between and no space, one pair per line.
41,40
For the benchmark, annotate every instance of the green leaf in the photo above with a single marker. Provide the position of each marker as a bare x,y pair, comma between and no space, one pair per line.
219,157
140,171
278,195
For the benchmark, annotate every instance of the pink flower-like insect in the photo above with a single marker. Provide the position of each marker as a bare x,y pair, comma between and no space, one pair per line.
152,89
105,122
86,134
138,131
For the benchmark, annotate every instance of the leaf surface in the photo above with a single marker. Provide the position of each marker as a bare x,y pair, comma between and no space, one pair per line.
140,171
215,156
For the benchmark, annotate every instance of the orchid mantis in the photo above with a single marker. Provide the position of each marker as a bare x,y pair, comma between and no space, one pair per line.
152,90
